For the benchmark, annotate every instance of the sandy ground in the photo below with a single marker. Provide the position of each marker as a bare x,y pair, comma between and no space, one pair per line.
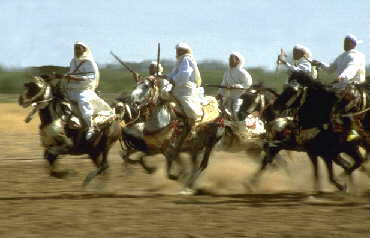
126,202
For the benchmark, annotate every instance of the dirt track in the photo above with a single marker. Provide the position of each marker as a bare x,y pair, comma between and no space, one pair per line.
130,203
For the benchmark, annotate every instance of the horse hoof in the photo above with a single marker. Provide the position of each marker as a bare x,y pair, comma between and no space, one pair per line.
187,191
59,174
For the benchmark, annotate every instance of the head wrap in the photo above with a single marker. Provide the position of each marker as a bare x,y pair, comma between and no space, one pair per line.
353,38
241,59
305,50
86,55
184,46
160,68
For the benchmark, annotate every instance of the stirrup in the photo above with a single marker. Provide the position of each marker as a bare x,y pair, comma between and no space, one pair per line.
90,133
353,135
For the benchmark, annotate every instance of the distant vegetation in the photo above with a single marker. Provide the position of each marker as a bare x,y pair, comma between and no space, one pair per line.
115,79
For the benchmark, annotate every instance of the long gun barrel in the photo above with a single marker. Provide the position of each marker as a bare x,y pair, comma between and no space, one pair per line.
221,86
122,63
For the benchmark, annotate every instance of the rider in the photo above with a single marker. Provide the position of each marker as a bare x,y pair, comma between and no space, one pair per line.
302,61
153,68
83,79
186,80
349,68
234,77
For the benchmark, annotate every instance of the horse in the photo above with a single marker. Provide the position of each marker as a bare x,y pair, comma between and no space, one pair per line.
248,133
257,99
59,135
310,130
160,128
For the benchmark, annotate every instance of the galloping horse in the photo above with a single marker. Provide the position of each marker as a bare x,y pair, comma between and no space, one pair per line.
57,135
247,135
162,129
311,130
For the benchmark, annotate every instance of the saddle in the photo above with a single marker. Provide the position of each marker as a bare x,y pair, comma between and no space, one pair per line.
209,108
69,112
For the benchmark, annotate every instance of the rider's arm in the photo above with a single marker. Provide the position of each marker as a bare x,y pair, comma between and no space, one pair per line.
245,80
353,67
87,71
303,66
183,72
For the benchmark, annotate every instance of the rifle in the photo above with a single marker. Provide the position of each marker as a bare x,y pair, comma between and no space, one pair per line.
225,87
158,57
282,54
122,63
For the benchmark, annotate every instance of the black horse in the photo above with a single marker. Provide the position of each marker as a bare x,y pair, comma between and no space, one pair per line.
257,99
57,137
310,129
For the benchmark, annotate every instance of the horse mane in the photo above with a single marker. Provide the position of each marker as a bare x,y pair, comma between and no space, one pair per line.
306,80
259,86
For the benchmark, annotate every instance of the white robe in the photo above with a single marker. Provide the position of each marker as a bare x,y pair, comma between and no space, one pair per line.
302,65
236,77
186,79
82,91
350,66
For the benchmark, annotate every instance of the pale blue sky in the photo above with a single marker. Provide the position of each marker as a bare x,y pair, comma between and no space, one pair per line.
40,32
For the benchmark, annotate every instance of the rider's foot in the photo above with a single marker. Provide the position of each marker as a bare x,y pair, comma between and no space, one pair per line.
90,133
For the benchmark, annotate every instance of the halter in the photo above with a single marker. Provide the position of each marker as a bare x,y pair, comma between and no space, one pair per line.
46,90
151,101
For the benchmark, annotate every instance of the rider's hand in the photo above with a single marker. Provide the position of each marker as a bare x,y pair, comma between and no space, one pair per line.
316,63
69,77
281,60
135,75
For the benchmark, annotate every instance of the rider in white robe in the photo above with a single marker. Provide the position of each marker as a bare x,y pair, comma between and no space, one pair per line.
302,61
349,66
187,81
83,79
234,77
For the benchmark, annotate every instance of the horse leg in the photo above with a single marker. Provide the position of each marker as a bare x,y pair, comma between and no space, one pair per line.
271,153
172,151
148,169
197,171
314,163
329,165
101,165
354,152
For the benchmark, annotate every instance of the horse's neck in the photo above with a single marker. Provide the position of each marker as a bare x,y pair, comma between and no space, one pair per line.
316,109
47,115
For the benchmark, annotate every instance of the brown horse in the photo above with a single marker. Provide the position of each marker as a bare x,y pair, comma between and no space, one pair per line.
57,137
164,130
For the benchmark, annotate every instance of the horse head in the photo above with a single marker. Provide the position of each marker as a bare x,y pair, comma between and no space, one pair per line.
145,93
257,98
36,90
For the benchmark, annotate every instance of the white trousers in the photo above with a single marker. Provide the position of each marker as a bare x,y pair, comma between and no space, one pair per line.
83,99
188,96
233,106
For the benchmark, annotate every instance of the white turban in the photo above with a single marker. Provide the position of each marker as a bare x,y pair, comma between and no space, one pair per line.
160,68
305,50
183,45
86,55
240,57
353,39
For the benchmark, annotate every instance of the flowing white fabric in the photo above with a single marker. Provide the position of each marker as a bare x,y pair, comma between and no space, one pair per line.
235,77
302,65
186,79
85,68
83,91
349,66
